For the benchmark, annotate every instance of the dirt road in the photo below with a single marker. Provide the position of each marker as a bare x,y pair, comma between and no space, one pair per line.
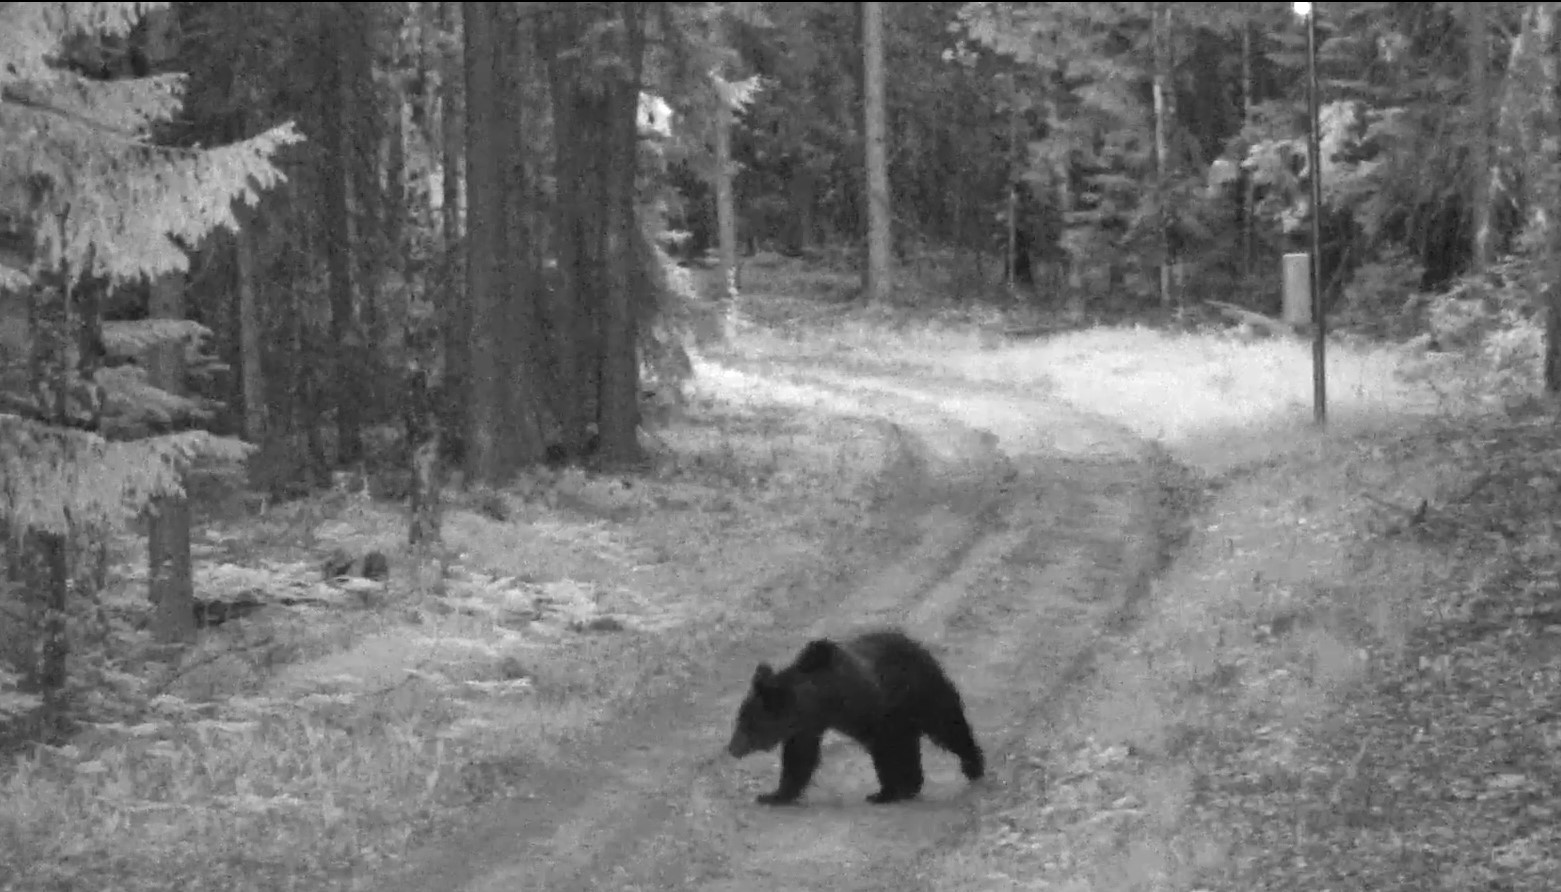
1030,530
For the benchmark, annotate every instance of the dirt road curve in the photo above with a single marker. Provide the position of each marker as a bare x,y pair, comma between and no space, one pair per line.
1025,546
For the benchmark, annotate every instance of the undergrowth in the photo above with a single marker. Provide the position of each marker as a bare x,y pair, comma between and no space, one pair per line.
1351,676
338,727
1348,679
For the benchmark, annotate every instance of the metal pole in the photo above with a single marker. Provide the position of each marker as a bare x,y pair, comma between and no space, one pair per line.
1314,149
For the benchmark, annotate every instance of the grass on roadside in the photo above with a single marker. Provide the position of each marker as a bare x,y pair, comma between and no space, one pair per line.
1191,392
1351,677
1251,733
1333,688
315,745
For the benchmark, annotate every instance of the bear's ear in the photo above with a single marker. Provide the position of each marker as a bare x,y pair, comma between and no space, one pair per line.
817,655
763,676
769,691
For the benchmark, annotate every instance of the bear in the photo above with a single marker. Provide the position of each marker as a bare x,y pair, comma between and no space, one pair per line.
880,688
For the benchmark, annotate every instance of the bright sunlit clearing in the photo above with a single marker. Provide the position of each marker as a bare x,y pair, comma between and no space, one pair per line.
1303,9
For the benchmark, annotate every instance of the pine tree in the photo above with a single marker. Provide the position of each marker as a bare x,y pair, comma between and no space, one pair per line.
89,201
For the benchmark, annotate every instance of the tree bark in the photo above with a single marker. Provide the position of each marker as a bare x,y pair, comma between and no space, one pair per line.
1011,271
504,426
1160,25
46,577
455,315
421,417
876,285
1547,204
1078,297
248,322
574,303
618,416
170,580
1249,183
251,345
337,214
393,214
368,214
726,207
1515,140
519,337
45,556
1480,148
484,243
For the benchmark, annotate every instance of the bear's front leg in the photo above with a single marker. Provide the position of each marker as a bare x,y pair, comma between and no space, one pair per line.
799,759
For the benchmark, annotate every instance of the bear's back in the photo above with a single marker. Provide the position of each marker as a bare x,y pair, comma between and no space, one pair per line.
901,667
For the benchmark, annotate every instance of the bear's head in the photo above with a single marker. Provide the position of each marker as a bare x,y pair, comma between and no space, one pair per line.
768,716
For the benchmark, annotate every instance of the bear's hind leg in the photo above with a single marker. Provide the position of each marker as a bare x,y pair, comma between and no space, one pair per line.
954,735
799,759
897,761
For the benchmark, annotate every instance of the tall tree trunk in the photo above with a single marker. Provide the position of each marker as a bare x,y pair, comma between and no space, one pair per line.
519,333
249,321
367,245
420,414
504,426
53,325
581,167
564,309
484,242
170,580
1160,24
1480,149
1546,182
1011,271
1077,292
618,416
1249,183
46,580
337,213
1515,141
875,287
309,384
803,188
455,314
89,542
725,206
393,213
250,334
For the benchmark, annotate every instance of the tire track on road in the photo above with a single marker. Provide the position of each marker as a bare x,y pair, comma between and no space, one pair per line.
1026,605
648,835
1009,566
1035,565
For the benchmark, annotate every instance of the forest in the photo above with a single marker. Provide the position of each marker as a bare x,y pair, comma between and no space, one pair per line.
427,315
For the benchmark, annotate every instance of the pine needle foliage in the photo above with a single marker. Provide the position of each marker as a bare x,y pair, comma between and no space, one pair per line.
90,201
92,197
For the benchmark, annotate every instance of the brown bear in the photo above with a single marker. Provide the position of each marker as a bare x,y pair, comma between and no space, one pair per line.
881,689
